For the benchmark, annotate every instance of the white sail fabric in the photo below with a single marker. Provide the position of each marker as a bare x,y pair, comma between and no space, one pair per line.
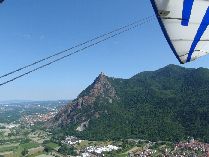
185,25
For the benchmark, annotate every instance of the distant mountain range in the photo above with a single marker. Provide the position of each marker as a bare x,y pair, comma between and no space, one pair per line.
13,101
30,101
171,103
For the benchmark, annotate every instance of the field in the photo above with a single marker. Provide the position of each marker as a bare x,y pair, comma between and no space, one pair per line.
52,145
6,148
20,134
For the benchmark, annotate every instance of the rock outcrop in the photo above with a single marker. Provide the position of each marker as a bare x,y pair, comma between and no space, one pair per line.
101,89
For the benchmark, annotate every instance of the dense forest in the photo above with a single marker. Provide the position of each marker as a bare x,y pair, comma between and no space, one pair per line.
169,104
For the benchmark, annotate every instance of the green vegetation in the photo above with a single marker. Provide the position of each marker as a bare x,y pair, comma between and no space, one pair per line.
7,148
66,150
52,145
24,152
29,145
169,104
10,116
35,155
18,149
49,146
17,137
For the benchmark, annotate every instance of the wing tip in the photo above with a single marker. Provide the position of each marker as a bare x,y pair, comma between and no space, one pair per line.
164,31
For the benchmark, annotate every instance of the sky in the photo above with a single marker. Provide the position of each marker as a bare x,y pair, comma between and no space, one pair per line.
34,29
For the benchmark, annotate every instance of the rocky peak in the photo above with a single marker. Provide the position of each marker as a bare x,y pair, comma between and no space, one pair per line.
100,88
102,78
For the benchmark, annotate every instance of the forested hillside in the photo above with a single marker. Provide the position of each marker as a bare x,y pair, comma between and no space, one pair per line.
171,103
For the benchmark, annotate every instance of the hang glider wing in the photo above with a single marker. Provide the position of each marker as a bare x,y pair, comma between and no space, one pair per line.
185,26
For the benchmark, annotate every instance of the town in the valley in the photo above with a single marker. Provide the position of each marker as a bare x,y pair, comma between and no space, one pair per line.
21,134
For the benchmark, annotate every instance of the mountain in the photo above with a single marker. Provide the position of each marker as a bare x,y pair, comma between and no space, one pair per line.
171,103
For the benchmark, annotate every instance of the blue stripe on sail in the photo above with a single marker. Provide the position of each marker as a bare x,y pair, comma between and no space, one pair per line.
186,13
203,26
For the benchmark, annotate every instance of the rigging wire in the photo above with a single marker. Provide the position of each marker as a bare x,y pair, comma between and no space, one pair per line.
76,46
77,51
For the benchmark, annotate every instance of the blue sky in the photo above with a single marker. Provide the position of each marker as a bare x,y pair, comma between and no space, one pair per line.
33,29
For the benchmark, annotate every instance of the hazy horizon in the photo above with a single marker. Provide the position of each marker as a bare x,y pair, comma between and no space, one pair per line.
31,30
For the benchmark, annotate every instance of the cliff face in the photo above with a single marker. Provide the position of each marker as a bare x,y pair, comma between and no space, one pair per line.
100,90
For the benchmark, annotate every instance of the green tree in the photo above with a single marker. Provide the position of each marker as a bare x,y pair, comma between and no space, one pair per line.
67,150
24,152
